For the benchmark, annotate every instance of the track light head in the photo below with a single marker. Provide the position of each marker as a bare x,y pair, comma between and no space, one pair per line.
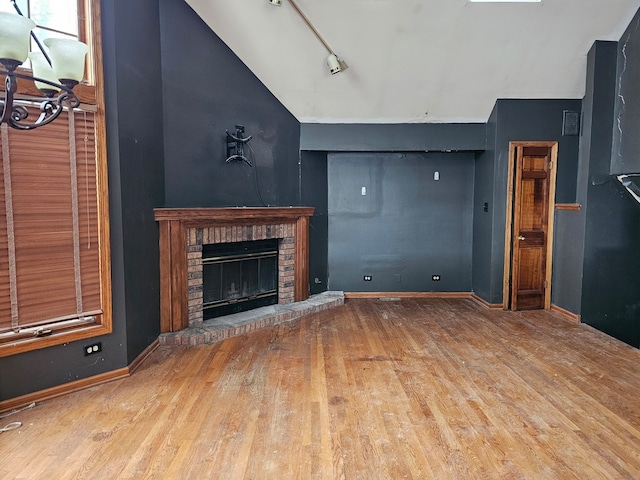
277,3
335,64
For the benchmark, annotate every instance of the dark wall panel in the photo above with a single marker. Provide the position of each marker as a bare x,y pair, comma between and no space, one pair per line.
625,156
208,90
610,289
407,227
138,153
407,137
483,220
569,246
313,180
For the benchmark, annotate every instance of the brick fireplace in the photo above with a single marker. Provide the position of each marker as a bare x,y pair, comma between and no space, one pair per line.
184,231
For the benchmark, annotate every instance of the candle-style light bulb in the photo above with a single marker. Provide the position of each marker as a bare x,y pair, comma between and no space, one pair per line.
14,39
67,59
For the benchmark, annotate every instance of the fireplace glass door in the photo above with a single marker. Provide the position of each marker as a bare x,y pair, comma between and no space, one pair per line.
239,276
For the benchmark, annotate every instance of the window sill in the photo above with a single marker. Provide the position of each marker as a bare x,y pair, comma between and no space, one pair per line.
23,345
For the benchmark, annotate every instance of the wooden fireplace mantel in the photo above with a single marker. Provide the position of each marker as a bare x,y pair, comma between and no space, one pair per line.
177,223
233,215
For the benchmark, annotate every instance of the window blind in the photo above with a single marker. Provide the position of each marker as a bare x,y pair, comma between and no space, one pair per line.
49,226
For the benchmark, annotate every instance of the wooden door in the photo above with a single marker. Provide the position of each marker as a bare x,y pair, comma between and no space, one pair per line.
532,211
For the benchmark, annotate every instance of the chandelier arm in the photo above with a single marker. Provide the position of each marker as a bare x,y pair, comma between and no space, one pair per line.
50,108
49,111
61,86
10,87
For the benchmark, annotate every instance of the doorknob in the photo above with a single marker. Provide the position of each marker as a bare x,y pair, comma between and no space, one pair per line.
520,237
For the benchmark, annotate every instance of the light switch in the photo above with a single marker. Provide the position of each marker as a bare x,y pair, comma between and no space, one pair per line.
364,190
436,176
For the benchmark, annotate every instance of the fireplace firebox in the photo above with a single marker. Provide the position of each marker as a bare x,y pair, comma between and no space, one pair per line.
239,276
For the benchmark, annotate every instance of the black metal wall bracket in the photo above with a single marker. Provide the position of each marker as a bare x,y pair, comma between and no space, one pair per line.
235,145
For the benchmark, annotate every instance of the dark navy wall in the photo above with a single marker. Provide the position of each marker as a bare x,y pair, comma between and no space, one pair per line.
313,191
516,120
317,141
138,153
407,137
595,142
134,140
483,220
406,228
625,157
208,90
610,288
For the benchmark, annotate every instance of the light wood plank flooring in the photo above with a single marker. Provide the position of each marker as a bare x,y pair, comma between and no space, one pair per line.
417,388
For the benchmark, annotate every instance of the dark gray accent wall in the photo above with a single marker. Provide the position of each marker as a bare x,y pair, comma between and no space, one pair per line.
319,140
406,137
208,90
539,120
566,280
131,51
610,288
483,220
406,228
625,153
138,153
516,120
595,142
313,192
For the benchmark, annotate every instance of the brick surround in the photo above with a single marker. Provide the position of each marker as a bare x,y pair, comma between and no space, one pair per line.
183,232
199,236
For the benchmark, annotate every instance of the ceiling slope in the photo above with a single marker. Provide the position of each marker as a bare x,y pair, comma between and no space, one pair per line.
416,61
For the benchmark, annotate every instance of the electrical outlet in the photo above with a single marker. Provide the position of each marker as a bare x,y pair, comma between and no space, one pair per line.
367,278
435,278
92,349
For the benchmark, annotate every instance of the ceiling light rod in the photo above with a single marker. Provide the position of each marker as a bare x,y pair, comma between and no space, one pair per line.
53,74
308,22
33,34
335,63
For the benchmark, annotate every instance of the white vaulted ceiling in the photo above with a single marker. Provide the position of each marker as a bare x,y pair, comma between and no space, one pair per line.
415,60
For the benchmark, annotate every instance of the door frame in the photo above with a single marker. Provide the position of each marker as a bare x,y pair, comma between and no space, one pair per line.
508,237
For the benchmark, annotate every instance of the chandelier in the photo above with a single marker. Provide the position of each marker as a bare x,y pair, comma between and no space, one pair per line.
54,73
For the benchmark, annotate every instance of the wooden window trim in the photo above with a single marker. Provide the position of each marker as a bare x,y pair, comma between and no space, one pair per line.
88,94
93,95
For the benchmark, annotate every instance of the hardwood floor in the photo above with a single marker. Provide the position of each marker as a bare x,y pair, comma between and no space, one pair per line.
428,388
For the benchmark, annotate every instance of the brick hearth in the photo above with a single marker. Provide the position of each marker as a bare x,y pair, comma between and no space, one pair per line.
219,328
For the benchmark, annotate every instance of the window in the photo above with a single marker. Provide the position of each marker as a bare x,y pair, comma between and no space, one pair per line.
54,232
54,18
